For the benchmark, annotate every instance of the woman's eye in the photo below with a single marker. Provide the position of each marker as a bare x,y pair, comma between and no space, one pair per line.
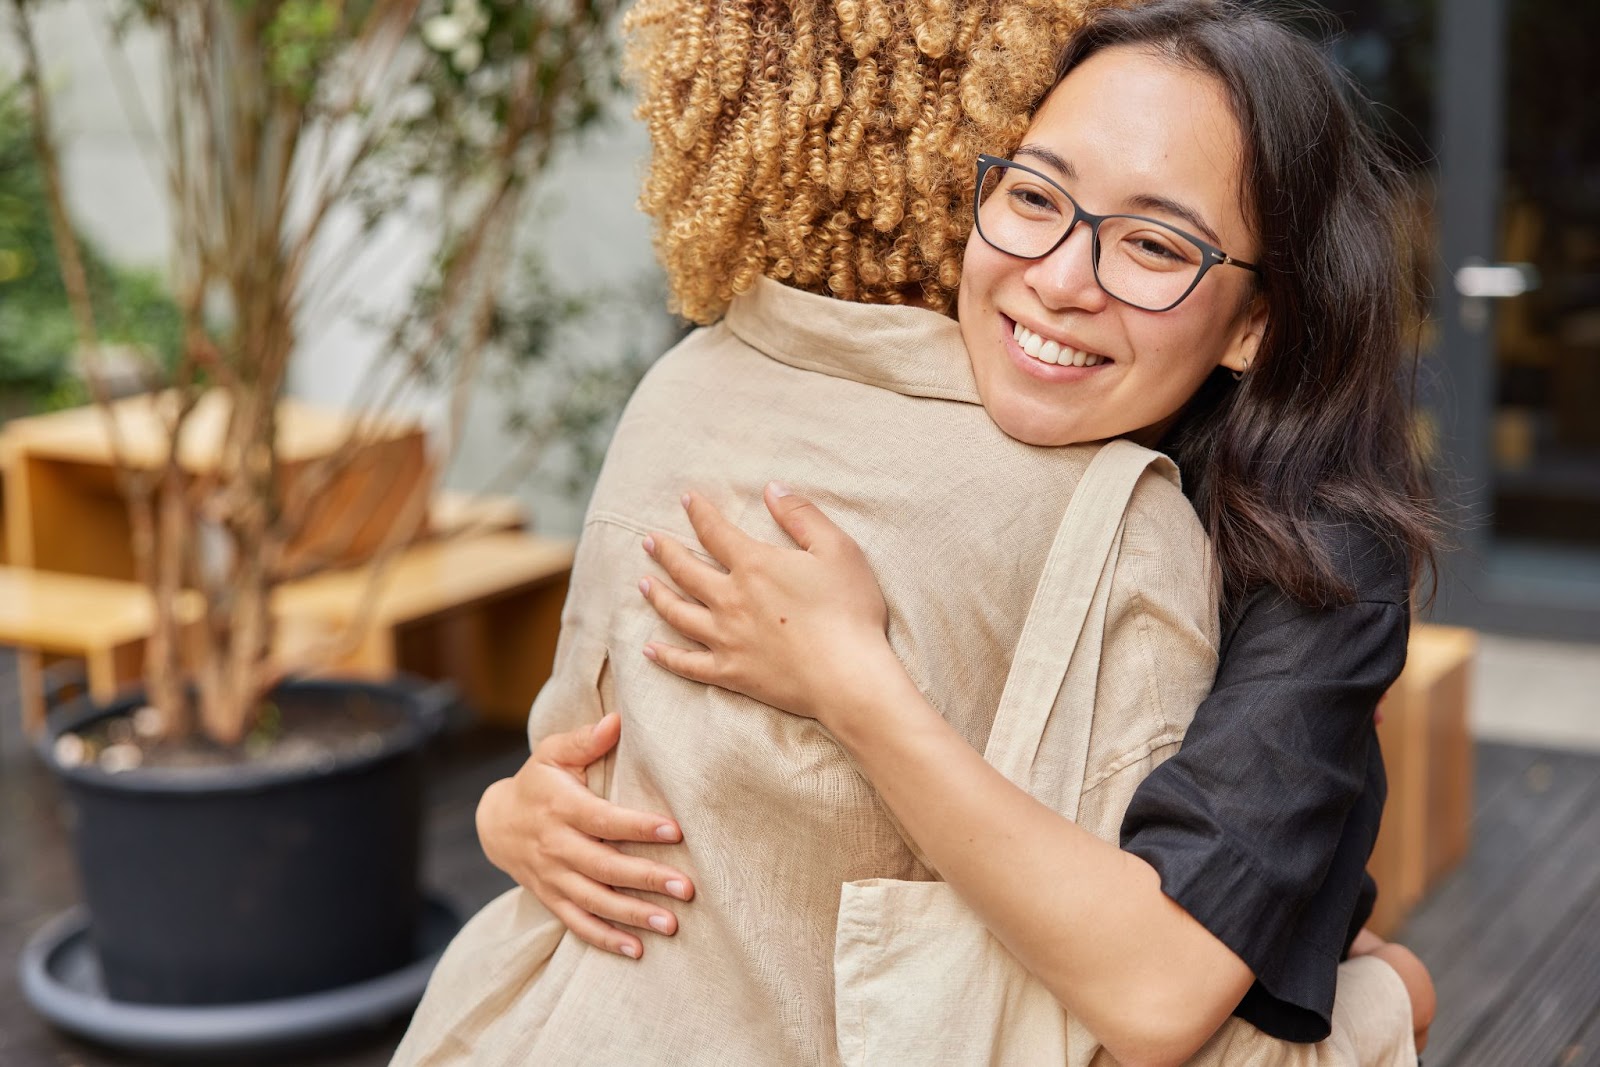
1031,201
1154,249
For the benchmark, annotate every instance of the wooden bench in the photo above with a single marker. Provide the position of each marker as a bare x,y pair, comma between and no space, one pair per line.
480,610
103,621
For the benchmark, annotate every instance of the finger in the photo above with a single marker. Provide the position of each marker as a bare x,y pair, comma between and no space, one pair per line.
590,930
691,573
582,746
1366,942
606,903
722,539
602,863
802,520
599,817
688,618
696,665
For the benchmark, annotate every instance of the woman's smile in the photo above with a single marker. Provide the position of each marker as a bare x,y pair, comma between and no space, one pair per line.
1049,357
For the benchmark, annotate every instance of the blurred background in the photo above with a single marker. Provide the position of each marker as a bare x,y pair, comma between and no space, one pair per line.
1490,866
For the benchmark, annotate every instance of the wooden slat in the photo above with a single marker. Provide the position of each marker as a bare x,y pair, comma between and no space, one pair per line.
430,578
1552,1002
81,435
1583,1050
1554,889
1530,799
73,614
1497,768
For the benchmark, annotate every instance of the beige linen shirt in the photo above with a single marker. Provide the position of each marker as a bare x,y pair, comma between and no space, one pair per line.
871,412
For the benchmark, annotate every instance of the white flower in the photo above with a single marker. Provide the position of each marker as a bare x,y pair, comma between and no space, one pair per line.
472,16
466,58
444,33
458,32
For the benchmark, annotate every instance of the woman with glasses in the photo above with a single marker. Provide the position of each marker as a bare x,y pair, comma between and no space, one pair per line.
1233,296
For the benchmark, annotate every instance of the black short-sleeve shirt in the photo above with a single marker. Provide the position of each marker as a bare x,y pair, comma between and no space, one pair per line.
1262,824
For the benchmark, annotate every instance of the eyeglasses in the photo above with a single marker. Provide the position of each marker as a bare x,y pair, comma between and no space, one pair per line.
1138,260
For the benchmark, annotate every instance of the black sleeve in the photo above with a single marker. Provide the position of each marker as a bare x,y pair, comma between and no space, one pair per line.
1262,824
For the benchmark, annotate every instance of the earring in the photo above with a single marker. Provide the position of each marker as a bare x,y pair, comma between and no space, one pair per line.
1238,375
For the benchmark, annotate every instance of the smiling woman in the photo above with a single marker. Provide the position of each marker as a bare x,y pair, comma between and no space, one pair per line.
1088,639
1129,131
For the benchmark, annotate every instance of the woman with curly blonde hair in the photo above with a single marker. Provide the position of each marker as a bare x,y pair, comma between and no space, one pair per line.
802,153
829,146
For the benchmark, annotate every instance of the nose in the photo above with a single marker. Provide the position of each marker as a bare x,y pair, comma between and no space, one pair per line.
1065,278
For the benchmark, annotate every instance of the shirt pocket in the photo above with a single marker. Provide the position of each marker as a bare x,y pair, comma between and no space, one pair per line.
918,978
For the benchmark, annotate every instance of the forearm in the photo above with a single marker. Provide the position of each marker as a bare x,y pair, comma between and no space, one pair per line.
1087,918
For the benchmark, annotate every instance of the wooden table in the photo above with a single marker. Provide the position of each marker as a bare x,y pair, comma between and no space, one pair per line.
63,511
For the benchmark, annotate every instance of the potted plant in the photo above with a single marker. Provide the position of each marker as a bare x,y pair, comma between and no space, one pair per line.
244,836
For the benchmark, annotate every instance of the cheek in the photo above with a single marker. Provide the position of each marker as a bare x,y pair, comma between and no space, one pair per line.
982,269
1184,346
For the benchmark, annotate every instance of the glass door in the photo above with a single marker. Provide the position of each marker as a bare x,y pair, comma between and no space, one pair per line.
1517,393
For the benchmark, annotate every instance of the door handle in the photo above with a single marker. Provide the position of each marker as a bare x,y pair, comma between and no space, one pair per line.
1478,280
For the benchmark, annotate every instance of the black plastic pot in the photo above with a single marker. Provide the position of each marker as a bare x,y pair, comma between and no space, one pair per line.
233,885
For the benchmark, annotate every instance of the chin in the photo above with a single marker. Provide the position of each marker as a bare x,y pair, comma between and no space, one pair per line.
1031,428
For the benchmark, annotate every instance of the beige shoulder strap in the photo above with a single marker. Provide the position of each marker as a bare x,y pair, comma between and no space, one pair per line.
1054,631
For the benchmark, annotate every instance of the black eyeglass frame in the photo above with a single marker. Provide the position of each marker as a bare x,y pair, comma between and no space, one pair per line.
1212,255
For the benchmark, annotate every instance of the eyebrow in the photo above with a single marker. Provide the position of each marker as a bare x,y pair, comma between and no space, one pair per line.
1142,201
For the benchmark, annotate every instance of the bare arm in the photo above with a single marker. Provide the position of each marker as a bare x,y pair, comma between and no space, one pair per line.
1087,918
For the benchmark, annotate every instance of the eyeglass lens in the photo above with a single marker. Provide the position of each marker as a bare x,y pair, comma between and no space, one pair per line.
1137,261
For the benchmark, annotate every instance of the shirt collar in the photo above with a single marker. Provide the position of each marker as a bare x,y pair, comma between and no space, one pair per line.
909,350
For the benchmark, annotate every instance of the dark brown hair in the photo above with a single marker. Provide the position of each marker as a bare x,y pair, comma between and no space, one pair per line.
1320,430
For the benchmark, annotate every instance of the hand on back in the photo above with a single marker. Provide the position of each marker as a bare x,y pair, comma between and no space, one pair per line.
1412,971
546,829
802,629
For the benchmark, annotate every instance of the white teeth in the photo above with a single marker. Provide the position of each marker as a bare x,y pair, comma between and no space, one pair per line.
1052,351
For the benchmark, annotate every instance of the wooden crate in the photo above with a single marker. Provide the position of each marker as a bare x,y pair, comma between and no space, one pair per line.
1427,753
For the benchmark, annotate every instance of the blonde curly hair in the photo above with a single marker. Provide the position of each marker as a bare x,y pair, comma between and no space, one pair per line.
830,144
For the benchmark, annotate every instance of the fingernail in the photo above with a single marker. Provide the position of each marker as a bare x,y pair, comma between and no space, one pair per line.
650,545
649,653
667,832
644,586
684,500
678,889
780,490
659,922
629,951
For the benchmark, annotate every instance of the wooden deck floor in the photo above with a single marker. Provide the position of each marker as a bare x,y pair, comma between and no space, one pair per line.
1513,937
